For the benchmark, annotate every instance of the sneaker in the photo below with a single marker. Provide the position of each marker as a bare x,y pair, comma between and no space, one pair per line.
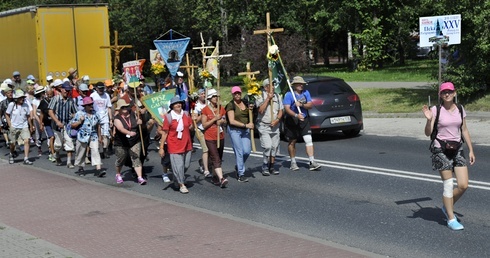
294,166
273,171
183,189
141,181
215,180
242,179
58,162
443,209
70,166
165,178
223,182
11,159
39,152
265,170
27,162
80,171
201,166
119,179
454,224
51,158
100,172
15,154
314,165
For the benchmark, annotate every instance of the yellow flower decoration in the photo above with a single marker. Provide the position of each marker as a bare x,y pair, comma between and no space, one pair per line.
157,68
253,88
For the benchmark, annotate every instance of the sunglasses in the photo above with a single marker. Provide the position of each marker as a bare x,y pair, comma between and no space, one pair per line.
447,92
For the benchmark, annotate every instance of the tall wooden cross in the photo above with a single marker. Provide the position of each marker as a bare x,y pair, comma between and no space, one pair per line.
117,50
269,31
249,74
204,49
190,72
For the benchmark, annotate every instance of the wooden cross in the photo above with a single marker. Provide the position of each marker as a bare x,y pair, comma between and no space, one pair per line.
117,50
249,74
204,50
190,72
269,31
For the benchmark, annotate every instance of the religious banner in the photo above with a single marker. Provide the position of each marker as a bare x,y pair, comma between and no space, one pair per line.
132,72
436,28
212,63
172,51
279,75
158,104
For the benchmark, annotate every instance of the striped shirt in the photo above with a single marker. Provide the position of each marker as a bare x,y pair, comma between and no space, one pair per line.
63,109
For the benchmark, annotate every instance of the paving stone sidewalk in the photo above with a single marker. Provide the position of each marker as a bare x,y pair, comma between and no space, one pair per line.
47,214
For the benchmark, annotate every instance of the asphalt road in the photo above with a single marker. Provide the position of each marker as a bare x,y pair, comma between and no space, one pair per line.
376,193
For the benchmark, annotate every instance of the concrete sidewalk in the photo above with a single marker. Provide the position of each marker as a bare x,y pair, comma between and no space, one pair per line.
47,214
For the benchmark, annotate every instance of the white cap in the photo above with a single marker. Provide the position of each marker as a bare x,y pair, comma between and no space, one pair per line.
83,87
57,82
85,78
8,81
49,78
66,80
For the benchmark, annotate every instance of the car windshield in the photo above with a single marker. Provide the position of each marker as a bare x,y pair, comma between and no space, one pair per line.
328,88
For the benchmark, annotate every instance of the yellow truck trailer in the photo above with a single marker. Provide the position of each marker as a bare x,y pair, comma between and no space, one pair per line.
47,40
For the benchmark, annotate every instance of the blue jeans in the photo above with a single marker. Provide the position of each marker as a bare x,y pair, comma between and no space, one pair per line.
242,146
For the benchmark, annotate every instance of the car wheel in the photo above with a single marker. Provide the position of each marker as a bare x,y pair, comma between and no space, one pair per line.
352,132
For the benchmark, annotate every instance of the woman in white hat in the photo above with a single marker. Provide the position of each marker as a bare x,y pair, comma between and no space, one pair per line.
176,133
213,122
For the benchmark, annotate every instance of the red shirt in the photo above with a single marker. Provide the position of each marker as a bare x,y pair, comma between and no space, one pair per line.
174,144
211,134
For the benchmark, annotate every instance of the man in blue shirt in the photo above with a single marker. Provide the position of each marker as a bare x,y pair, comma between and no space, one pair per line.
297,123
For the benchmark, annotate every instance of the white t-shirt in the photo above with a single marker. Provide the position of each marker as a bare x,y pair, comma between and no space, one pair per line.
36,102
198,109
18,115
101,104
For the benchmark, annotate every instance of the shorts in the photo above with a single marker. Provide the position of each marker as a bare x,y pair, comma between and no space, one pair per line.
62,139
105,130
294,128
202,141
133,152
48,131
441,161
21,134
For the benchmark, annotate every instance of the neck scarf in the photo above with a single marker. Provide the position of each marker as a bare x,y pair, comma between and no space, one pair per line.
180,125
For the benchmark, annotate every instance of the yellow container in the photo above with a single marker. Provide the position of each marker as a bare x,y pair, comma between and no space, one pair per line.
48,40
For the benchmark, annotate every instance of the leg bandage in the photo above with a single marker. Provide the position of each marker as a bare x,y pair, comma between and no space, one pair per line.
308,140
448,188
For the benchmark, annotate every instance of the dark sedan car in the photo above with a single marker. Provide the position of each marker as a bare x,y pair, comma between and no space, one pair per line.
336,107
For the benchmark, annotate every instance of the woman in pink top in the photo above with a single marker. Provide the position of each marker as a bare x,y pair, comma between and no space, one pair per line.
447,149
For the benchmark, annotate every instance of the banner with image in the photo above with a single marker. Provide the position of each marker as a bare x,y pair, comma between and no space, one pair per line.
158,104
172,51
132,72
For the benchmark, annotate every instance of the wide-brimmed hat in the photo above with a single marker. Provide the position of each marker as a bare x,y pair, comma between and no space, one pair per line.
446,86
57,82
87,101
236,89
211,93
298,80
8,81
121,103
176,100
19,94
39,90
109,83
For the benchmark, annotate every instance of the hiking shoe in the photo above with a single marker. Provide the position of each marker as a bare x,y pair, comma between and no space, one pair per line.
454,224
183,189
70,166
11,159
242,179
119,179
223,182
27,162
141,181
294,166
100,172
314,165
265,170
165,178
207,174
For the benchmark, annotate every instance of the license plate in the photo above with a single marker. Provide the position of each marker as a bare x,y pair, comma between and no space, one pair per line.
340,120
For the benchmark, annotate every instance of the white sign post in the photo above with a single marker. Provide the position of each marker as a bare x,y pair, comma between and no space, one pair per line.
440,31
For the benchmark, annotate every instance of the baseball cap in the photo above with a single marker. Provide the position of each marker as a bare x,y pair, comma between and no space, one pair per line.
49,78
16,73
236,89
446,86
83,87
67,86
57,82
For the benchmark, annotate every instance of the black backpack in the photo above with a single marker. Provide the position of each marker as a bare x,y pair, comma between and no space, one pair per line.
433,135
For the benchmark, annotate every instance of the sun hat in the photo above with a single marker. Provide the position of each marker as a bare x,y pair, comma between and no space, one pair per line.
83,87
19,94
109,83
16,73
49,78
4,86
39,90
87,101
211,93
236,89
30,82
446,86
85,78
121,103
298,80
8,81
57,82
72,70
67,86
175,100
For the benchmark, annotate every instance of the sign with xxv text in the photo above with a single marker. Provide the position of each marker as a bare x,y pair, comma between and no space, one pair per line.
436,28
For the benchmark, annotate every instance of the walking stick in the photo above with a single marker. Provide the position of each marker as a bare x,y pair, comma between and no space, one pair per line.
252,138
139,126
